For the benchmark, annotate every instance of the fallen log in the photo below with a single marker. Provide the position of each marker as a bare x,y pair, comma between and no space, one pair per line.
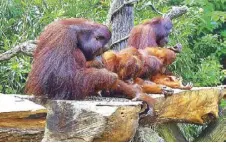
106,119
199,106
20,120
99,119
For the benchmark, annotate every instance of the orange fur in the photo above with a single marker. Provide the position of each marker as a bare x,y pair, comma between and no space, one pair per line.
148,86
167,57
130,63
126,63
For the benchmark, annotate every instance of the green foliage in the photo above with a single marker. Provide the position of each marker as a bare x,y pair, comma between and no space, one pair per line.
191,131
209,73
223,103
14,75
184,65
208,43
200,31
18,23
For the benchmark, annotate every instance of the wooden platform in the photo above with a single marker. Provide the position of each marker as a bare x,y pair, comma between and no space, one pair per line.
23,120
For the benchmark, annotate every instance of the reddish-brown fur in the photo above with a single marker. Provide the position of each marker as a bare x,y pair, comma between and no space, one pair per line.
59,67
62,63
152,33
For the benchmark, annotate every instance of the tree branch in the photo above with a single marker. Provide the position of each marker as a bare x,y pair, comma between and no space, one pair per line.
152,6
120,40
176,11
27,48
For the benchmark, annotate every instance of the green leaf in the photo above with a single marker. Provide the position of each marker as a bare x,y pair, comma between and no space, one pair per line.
223,33
215,17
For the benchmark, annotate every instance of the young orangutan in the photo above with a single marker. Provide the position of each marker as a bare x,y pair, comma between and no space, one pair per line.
130,64
139,64
167,57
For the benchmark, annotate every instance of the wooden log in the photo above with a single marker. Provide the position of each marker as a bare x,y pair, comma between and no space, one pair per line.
104,119
20,120
194,106
165,123
92,120
216,131
108,119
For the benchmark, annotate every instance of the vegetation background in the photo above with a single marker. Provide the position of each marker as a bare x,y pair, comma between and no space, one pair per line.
202,32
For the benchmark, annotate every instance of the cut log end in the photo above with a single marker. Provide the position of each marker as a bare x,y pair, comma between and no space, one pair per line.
91,121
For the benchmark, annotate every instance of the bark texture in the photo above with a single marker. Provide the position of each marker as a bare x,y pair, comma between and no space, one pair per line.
121,16
91,121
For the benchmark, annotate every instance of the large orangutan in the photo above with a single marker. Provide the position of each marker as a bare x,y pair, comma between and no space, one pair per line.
152,33
59,69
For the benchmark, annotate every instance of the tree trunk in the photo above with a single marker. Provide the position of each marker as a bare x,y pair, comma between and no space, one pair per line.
122,21
170,132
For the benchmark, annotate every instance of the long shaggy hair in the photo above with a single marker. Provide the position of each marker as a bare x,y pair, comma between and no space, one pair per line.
59,67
